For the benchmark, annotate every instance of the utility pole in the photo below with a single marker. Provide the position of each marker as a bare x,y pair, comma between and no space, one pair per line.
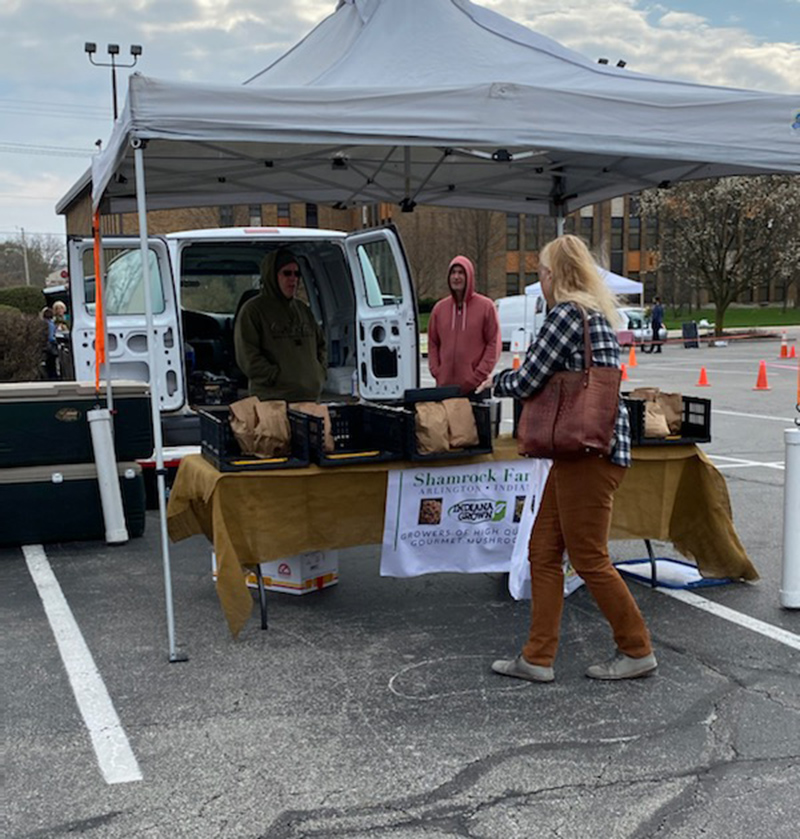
25,257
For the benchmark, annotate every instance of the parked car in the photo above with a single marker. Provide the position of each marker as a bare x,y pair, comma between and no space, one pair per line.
635,328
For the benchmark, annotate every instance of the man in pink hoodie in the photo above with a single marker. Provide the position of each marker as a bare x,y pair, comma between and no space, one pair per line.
463,332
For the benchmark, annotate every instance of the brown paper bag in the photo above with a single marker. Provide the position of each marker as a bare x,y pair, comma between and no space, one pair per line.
431,427
646,393
672,406
655,423
273,432
243,422
316,410
462,430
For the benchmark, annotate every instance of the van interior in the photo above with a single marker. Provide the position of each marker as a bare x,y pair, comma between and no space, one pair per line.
216,278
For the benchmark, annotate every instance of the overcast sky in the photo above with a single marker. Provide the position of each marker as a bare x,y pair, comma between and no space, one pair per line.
54,105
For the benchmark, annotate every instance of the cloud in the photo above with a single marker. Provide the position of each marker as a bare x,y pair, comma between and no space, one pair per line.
657,40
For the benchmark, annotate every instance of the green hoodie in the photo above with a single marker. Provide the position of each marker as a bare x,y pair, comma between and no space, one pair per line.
279,345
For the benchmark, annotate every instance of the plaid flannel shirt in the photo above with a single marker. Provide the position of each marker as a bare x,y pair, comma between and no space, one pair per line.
559,346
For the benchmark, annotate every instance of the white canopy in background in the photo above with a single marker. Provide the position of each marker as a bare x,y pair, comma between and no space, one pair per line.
617,284
438,102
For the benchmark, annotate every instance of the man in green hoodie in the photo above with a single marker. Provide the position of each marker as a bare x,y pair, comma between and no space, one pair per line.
279,345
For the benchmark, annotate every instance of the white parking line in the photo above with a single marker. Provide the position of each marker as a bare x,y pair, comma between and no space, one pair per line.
740,463
784,420
114,754
767,629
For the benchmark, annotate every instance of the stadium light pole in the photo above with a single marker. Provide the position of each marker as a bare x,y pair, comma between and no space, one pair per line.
90,48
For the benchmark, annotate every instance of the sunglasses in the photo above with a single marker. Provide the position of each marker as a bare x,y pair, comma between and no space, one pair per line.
289,273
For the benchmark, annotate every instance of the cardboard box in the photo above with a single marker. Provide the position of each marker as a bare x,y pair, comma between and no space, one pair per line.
298,574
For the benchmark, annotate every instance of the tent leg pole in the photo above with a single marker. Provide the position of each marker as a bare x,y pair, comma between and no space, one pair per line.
155,395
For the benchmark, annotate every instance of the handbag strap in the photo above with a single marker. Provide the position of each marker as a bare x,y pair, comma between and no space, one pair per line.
587,344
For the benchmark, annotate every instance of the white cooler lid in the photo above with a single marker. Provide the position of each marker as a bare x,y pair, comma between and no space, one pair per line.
52,390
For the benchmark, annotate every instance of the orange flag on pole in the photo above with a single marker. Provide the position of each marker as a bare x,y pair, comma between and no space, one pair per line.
99,330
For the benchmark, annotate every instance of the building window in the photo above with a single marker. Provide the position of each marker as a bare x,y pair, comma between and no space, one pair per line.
284,219
651,233
531,232
512,232
547,230
226,215
587,226
634,233
617,255
531,278
569,224
254,212
312,215
512,284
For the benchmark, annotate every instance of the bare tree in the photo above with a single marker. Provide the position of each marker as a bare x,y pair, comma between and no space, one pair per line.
479,233
728,236
44,255
425,234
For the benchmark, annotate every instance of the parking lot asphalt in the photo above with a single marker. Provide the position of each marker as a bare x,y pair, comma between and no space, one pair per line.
368,709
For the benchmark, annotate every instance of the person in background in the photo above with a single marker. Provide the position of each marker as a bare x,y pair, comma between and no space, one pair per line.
576,505
60,316
656,322
463,332
50,347
279,345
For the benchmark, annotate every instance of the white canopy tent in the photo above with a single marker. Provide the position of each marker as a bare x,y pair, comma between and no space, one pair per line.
438,102
617,284
424,101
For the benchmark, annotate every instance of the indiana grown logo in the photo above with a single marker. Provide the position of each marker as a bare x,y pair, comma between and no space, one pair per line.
478,510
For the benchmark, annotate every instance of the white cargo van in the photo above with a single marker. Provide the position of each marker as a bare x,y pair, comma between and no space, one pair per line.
358,286
520,311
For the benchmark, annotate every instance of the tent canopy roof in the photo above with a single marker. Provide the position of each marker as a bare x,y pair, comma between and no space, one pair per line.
437,102
617,284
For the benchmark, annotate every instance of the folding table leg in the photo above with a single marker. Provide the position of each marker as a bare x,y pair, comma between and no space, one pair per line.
262,597
653,577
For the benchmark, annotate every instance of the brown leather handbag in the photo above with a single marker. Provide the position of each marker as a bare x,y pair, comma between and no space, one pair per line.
574,414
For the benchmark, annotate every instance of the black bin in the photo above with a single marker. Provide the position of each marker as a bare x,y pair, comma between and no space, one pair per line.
695,424
361,434
219,446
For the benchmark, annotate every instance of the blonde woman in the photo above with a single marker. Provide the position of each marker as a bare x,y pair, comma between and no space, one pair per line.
575,510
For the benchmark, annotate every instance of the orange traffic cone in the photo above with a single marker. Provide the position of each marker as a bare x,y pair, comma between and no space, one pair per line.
784,349
761,382
703,380
624,369
632,357
792,353
515,362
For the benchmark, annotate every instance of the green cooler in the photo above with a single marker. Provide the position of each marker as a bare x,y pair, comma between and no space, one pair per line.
62,503
43,423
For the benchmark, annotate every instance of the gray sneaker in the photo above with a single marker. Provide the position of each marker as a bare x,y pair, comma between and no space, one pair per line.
521,669
623,667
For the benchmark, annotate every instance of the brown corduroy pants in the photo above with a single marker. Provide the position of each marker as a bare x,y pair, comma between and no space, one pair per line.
575,513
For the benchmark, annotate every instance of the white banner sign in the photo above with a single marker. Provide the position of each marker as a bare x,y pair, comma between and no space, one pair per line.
463,519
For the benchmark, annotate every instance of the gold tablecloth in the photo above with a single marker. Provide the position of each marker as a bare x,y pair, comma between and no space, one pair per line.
672,493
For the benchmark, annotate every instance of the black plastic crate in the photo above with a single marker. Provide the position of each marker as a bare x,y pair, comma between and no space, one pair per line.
361,434
431,394
695,424
219,446
209,389
483,420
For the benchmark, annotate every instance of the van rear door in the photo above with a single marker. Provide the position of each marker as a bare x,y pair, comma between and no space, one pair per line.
125,313
387,333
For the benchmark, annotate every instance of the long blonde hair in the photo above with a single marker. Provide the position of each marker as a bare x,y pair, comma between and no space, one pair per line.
576,278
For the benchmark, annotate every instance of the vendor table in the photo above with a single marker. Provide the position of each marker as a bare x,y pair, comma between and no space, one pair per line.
671,493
